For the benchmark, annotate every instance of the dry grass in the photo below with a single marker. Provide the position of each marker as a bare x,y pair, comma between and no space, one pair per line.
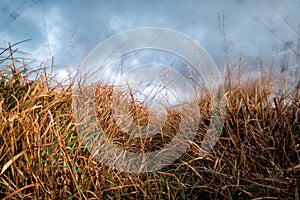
41,156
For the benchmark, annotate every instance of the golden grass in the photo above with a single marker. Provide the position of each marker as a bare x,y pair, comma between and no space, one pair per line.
41,156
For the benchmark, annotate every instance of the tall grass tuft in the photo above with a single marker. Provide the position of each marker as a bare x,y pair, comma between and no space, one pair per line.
42,157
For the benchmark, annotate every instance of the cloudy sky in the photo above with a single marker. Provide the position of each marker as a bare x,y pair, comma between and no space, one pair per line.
70,29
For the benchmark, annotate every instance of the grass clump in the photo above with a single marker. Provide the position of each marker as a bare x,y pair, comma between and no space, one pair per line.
42,157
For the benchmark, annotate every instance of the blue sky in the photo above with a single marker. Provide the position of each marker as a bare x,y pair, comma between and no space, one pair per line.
69,30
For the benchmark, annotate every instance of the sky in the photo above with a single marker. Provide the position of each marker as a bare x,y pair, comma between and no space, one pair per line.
69,29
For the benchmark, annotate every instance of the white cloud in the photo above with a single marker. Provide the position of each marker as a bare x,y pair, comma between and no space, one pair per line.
62,74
